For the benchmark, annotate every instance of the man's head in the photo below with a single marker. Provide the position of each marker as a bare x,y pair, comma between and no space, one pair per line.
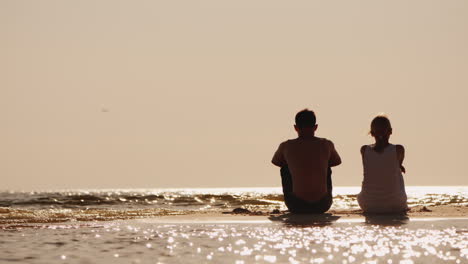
306,121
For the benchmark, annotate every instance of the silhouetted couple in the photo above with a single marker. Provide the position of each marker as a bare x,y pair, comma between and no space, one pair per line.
306,163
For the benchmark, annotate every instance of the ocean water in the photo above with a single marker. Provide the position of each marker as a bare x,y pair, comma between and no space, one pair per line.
137,226
103,205
292,241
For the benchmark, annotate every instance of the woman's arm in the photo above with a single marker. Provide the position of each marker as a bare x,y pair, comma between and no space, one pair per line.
400,150
363,150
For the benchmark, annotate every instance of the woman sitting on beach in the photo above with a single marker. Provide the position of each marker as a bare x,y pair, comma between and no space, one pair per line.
383,188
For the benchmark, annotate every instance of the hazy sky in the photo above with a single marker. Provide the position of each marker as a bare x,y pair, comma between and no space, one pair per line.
105,94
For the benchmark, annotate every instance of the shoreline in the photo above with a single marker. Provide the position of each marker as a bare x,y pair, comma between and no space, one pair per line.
213,218
416,213
13,218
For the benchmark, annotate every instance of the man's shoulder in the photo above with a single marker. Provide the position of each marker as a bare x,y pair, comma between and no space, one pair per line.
328,144
289,141
284,144
325,141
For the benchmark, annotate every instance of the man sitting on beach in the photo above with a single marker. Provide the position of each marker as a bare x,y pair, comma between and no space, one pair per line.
305,167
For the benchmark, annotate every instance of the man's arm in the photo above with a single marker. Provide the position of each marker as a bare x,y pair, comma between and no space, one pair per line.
335,158
278,158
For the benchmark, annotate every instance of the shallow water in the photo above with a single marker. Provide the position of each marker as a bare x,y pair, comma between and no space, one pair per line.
105,205
126,226
282,239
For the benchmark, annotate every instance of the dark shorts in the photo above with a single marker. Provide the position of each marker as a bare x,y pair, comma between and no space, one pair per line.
297,205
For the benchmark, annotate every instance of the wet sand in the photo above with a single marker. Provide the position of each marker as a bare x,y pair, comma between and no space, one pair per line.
418,213
415,211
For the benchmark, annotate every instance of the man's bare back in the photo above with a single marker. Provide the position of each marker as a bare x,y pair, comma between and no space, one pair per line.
308,159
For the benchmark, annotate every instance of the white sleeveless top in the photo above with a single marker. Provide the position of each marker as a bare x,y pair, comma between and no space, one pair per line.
383,188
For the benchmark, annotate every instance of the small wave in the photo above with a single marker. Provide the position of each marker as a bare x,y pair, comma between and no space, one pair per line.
166,199
27,216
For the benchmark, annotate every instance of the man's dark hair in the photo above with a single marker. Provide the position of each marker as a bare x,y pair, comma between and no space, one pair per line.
305,118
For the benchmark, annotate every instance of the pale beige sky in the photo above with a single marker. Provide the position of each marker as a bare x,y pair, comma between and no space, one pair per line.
105,94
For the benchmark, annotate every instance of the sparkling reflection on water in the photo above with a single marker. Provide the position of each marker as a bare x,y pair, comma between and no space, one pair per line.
113,204
281,239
